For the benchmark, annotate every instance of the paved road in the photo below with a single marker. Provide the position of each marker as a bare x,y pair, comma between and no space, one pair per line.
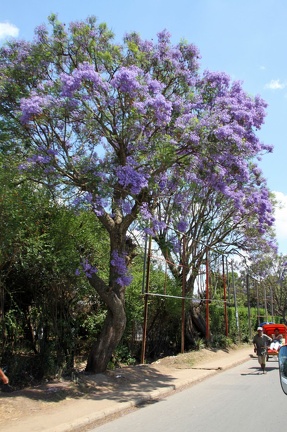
238,400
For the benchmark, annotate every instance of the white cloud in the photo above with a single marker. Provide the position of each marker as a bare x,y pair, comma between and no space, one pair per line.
275,85
7,29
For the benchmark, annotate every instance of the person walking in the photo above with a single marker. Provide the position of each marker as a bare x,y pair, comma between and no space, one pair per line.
260,342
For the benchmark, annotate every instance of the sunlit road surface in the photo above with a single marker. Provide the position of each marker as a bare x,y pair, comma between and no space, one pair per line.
237,400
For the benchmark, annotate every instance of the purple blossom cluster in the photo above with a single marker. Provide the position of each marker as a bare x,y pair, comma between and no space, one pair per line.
133,81
87,268
131,179
127,80
125,206
182,226
96,203
153,223
43,158
39,159
84,72
161,107
34,106
119,263
41,34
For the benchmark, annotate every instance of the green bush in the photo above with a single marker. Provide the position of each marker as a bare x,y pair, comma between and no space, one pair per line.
241,334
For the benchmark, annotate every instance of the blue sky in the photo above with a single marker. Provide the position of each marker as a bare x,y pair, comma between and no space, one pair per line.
247,39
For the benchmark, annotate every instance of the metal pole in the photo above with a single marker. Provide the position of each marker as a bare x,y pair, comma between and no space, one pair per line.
146,304
258,306
144,266
235,299
227,281
248,304
207,297
272,306
265,304
183,295
224,297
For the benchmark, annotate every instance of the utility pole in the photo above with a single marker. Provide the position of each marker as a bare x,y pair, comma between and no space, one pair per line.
146,303
235,299
207,296
224,293
183,294
248,304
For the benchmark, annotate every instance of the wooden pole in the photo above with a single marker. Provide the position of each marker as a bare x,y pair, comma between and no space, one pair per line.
207,297
183,296
224,298
235,301
146,303
248,304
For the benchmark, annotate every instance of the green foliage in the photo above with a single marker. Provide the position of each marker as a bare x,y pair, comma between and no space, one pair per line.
122,356
199,344
47,307
221,341
93,322
217,323
12,328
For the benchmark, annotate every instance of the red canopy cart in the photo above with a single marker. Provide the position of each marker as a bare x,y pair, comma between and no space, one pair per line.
269,329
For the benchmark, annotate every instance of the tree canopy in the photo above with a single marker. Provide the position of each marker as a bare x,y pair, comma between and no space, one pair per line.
120,127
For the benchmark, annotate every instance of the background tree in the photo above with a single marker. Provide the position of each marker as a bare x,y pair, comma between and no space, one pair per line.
270,272
196,220
116,126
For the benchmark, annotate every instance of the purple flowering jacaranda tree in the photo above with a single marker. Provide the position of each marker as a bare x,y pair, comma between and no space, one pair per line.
110,125
196,220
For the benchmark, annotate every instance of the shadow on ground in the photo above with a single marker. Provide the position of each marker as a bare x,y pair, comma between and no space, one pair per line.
129,380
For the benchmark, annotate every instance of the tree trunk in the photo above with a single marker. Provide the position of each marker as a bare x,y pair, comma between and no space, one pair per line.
195,324
113,328
113,295
109,338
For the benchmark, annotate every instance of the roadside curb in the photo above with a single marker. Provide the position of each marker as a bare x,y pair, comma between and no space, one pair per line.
153,395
